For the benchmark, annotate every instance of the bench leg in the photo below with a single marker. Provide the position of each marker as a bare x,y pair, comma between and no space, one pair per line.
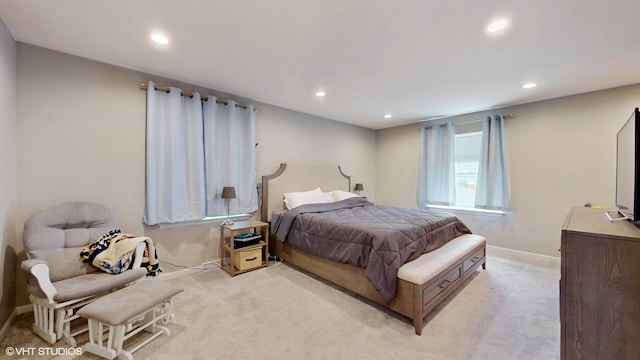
115,337
417,309
417,324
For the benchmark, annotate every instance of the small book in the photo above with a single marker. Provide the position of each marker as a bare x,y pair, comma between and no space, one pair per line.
247,238
243,236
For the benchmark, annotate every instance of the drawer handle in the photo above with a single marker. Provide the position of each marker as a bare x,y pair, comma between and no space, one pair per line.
444,284
475,258
251,259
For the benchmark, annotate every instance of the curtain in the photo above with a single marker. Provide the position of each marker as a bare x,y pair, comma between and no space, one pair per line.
436,172
175,188
230,138
493,184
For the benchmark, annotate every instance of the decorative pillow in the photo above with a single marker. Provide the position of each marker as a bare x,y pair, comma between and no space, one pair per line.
315,196
342,195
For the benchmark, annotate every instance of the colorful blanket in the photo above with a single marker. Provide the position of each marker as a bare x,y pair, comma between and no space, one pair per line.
113,252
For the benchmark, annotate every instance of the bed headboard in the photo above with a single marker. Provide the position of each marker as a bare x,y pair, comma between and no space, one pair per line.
300,176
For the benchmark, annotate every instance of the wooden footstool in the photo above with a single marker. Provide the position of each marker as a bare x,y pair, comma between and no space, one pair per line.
118,316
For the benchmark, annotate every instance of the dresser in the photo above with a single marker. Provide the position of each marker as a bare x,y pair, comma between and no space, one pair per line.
599,287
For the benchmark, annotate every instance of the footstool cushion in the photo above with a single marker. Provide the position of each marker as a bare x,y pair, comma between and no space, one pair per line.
122,305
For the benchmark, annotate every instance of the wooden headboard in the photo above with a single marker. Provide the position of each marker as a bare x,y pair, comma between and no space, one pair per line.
300,176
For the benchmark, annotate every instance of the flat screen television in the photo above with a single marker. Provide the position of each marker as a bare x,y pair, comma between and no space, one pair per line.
627,168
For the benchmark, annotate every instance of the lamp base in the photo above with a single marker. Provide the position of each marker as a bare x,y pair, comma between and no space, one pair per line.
227,222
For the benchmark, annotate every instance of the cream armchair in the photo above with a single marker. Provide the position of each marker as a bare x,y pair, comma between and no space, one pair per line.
59,283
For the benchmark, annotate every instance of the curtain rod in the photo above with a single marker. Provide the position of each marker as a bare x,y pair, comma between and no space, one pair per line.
505,116
190,95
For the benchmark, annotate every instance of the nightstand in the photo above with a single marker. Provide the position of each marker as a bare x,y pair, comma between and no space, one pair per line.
244,246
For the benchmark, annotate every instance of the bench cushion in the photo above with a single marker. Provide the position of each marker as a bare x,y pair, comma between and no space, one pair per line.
122,305
429,265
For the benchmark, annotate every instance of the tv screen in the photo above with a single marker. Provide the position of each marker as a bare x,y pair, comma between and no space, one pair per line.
627,164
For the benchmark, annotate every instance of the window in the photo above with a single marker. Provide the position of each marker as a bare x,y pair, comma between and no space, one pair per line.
463,166
467,161
194,149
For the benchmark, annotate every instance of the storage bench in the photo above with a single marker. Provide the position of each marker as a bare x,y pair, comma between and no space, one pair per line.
122,314
435,275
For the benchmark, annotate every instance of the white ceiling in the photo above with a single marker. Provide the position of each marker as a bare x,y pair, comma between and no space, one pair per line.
414,59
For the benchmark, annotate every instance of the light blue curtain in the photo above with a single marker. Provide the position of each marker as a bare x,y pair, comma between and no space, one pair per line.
493,181
230,138
436,172
175,188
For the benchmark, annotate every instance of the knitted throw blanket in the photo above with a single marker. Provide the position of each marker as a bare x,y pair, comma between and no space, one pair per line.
113,252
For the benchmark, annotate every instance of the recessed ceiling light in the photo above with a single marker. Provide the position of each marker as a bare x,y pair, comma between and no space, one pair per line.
159,38
497,25
320,93
388,116
529,85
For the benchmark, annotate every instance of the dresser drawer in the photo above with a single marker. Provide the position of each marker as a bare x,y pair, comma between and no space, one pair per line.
435,289
472,260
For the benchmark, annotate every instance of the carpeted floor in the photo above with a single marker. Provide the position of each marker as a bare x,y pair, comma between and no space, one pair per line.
509,311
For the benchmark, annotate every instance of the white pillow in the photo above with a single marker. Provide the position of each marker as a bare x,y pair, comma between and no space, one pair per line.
315,196
342,195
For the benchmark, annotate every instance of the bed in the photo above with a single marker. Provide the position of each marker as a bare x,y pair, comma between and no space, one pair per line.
420,284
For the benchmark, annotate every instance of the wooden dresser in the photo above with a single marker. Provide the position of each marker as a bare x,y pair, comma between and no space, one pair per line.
599,287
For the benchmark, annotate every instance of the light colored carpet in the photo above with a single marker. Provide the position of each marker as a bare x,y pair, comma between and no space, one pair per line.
509,311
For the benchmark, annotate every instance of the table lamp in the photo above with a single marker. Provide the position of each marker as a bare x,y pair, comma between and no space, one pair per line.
228,193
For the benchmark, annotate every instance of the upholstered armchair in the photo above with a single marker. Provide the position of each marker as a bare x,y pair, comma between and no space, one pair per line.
59,283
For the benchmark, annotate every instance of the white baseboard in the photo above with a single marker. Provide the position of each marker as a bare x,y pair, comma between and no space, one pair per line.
209,265
8,323
24,309
16,311
497,250
176,273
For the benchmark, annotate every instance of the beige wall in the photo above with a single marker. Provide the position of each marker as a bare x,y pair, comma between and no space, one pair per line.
561,153
81,131
80,136
7,173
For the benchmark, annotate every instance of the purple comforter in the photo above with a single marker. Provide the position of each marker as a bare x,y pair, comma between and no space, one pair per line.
377,238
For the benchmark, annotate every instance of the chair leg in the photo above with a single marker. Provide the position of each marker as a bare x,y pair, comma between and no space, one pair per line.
66,335
61,315
53,323
69,316
43,323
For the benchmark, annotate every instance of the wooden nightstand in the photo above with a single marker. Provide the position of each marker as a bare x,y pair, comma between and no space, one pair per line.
244,246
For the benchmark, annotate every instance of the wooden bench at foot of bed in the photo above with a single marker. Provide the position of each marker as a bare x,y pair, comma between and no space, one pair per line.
434,276
423,283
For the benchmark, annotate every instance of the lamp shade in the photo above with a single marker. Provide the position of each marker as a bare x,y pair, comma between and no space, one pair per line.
358,187
228,192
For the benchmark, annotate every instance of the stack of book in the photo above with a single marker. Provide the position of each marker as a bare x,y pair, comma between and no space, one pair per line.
246,239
